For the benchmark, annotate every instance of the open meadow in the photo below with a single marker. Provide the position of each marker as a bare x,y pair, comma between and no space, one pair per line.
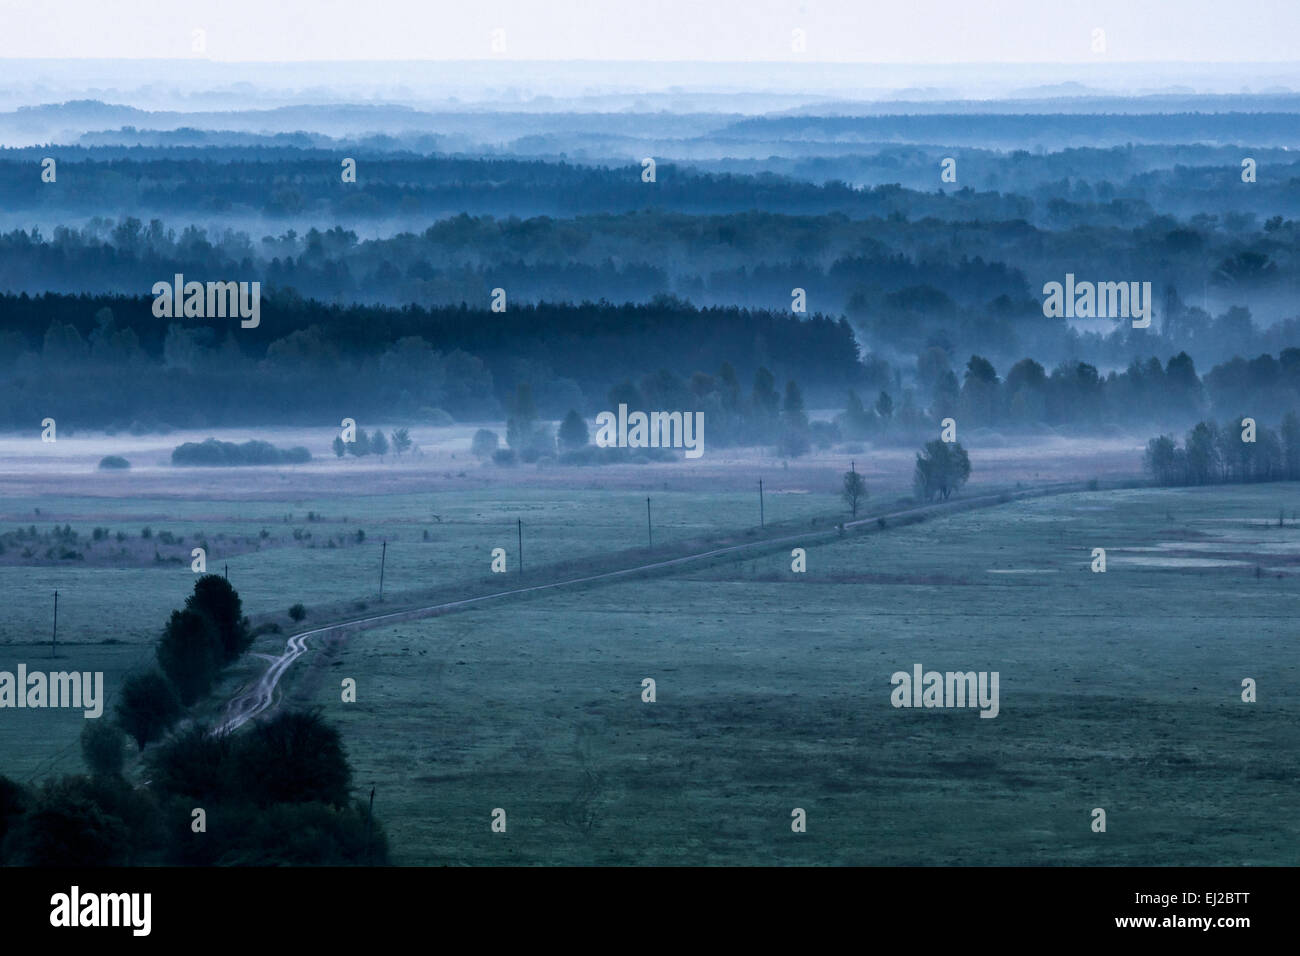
314,533
1119,690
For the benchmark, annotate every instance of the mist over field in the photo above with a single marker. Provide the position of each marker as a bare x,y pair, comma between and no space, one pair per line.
319,398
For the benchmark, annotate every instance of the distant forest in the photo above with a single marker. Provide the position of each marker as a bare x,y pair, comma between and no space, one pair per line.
918,300
902,284
100,361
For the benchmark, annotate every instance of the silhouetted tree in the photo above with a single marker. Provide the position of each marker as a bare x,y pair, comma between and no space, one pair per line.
941,468
189,653
855,489
215,597
147,706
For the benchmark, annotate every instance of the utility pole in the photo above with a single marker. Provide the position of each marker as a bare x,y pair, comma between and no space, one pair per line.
54,640
649,533
383,555
225,572
760,502
520,522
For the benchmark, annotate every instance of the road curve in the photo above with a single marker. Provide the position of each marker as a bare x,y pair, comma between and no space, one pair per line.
261,695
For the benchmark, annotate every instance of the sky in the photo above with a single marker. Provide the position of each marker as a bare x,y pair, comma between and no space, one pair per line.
858,31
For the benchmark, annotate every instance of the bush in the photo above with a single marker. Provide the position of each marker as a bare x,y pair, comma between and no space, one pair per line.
109,462
295,757
194,764
101,748
504,457
297,612
66,826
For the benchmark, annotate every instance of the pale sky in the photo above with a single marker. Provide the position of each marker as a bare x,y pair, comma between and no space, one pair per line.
901,31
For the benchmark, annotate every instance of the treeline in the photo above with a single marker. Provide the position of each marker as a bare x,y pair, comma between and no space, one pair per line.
290,184
433,366
288,176
1240,450
901,281
276,794
97,361
1094,120
762,415
1072,394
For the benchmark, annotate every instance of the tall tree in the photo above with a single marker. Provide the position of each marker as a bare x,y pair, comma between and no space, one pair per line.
854,490
189,653
217,599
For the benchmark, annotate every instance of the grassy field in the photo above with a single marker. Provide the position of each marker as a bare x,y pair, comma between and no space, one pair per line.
110,615
1118,690
129,599
39,743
